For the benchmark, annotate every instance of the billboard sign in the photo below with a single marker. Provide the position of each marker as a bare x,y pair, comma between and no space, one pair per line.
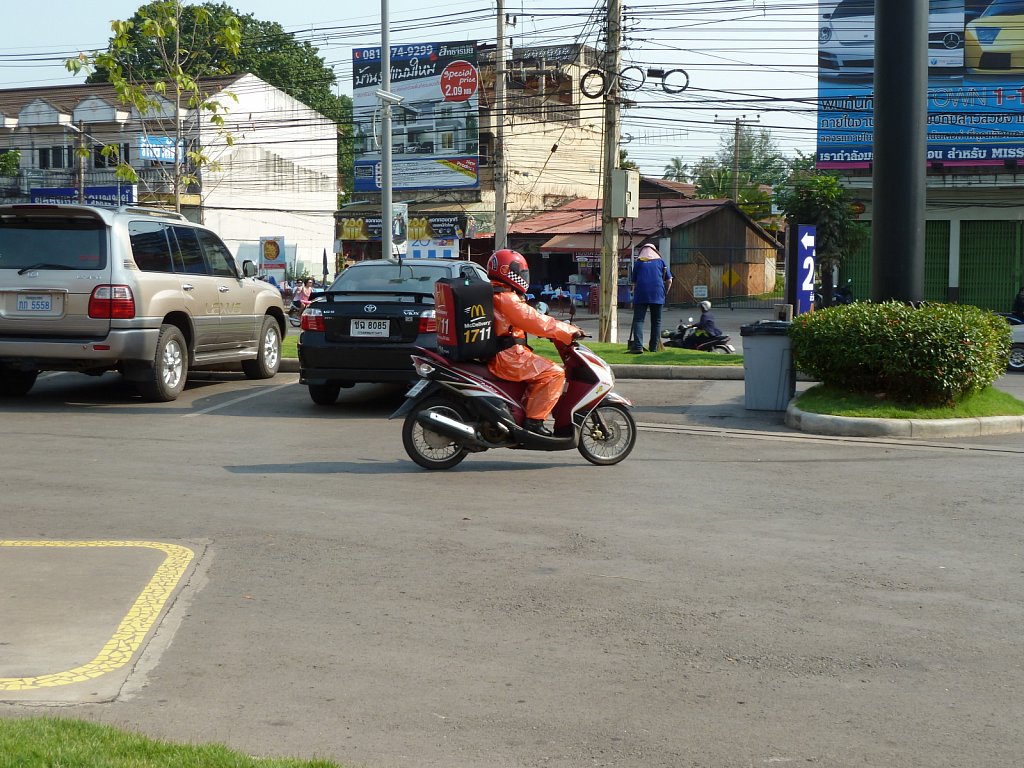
272,256
159,149
435,130
113,195
975,82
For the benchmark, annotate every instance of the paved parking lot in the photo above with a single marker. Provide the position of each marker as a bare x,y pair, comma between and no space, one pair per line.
732,594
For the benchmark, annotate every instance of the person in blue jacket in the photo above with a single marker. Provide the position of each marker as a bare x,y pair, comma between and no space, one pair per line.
651,280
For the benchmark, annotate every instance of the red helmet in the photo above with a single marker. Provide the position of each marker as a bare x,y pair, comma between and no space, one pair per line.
509,267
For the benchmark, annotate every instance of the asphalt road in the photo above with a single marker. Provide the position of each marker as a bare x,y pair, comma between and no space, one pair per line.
733,594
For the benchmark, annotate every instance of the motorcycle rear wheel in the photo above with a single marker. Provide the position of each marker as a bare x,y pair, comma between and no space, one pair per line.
608,435
428,448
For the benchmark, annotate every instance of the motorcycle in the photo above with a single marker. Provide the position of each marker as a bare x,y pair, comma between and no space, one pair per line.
460,408
841,294
685,337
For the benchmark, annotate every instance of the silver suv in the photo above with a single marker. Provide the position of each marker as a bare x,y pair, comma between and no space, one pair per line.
140,291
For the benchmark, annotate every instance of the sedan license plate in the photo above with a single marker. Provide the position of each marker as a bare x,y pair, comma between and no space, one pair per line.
375,328
34,302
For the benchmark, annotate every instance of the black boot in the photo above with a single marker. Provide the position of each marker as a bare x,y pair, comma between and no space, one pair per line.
537,426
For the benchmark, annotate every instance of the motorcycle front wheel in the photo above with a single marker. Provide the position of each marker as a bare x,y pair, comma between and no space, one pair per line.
608,435
430,449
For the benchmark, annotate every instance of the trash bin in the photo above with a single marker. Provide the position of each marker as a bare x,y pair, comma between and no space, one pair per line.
768,375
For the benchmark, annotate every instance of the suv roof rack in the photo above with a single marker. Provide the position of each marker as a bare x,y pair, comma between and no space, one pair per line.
153,212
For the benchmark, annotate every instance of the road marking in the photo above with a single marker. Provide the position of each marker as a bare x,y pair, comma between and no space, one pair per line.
132,630
257,393
751,434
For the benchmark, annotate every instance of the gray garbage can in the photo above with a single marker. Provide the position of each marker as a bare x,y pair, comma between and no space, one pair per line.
769,378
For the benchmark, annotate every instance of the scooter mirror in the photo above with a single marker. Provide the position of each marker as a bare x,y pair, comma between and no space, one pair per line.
542,307
689,319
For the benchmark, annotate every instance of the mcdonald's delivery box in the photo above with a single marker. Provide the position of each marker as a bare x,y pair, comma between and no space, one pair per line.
465,319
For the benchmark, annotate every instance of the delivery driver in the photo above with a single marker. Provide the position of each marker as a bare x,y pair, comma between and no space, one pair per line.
513,319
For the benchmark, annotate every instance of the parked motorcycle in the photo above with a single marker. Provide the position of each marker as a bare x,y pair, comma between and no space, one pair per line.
685,337
461,408
841,294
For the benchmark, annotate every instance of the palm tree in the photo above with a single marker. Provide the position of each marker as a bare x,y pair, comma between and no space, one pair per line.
677,170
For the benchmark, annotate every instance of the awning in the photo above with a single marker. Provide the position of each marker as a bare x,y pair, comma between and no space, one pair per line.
583,244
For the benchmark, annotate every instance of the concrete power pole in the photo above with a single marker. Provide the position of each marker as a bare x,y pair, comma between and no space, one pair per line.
500,193
737,123
900,151
386,233
608,322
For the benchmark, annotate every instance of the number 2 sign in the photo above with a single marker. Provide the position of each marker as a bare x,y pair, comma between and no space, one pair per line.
805,253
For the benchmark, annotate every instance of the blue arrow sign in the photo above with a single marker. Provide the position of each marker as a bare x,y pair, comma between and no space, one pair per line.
805,255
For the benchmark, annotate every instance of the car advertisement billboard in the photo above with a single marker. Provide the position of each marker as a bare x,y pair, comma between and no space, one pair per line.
975,82
435,130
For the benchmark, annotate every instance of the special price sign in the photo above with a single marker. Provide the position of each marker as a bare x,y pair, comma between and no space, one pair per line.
459,81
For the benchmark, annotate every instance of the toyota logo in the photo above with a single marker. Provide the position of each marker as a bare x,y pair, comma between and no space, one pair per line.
370,308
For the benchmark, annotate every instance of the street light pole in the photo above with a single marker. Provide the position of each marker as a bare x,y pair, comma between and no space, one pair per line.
385,133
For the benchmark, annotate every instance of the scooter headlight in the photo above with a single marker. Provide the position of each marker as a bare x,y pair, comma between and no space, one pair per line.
424,369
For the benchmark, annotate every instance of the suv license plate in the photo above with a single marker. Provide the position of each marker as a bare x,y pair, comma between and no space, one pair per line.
377,328
34,302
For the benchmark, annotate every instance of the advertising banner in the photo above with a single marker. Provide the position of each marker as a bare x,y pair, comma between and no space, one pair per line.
975,82
420,227
435,130
113,195
272,256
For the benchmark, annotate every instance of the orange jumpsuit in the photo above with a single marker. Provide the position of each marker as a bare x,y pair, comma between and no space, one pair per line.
514,317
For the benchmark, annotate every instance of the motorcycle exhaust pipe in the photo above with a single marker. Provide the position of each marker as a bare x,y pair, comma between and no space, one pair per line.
446,426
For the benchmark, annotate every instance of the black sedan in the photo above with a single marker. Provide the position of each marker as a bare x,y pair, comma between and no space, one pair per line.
370,320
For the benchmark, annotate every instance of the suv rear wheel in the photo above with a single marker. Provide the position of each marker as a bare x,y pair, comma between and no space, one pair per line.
15,383
166,378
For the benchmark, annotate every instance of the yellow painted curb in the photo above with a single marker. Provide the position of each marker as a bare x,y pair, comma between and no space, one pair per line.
132,630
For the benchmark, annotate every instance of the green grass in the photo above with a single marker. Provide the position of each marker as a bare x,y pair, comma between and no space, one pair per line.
290,346
612,353
837,402
50,742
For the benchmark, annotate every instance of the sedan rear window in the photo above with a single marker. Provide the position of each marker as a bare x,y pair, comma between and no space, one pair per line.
52,242
391,278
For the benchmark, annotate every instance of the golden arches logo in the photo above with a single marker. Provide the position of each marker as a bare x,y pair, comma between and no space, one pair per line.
475,311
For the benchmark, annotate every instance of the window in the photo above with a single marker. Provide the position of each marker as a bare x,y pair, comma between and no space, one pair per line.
217,255
151,246
448,140
118,154
190,253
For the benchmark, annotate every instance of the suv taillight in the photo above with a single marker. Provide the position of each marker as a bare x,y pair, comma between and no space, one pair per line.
428,321
312,320
112,302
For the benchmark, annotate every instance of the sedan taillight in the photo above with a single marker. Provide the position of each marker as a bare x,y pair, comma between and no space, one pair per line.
428,321
112,302
312,320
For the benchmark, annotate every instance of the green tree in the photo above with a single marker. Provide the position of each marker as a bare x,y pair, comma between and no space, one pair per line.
10,161
625,162
712,181
818,199
175,64
676,170
760,158
265,49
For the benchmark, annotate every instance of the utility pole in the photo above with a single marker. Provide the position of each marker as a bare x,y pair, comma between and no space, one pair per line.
608,322
739,121
386,233
900,151
81,162
500,191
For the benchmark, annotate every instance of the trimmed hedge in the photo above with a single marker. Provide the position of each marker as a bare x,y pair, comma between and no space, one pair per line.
933,354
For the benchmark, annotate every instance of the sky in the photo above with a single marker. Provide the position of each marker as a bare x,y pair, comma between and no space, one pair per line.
748,59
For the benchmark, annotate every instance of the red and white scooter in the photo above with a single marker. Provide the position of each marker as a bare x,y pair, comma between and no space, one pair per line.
459,408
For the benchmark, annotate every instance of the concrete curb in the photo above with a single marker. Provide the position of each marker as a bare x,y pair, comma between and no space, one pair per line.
843,426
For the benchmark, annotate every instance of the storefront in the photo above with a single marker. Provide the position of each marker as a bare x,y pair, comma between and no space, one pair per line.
427,235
